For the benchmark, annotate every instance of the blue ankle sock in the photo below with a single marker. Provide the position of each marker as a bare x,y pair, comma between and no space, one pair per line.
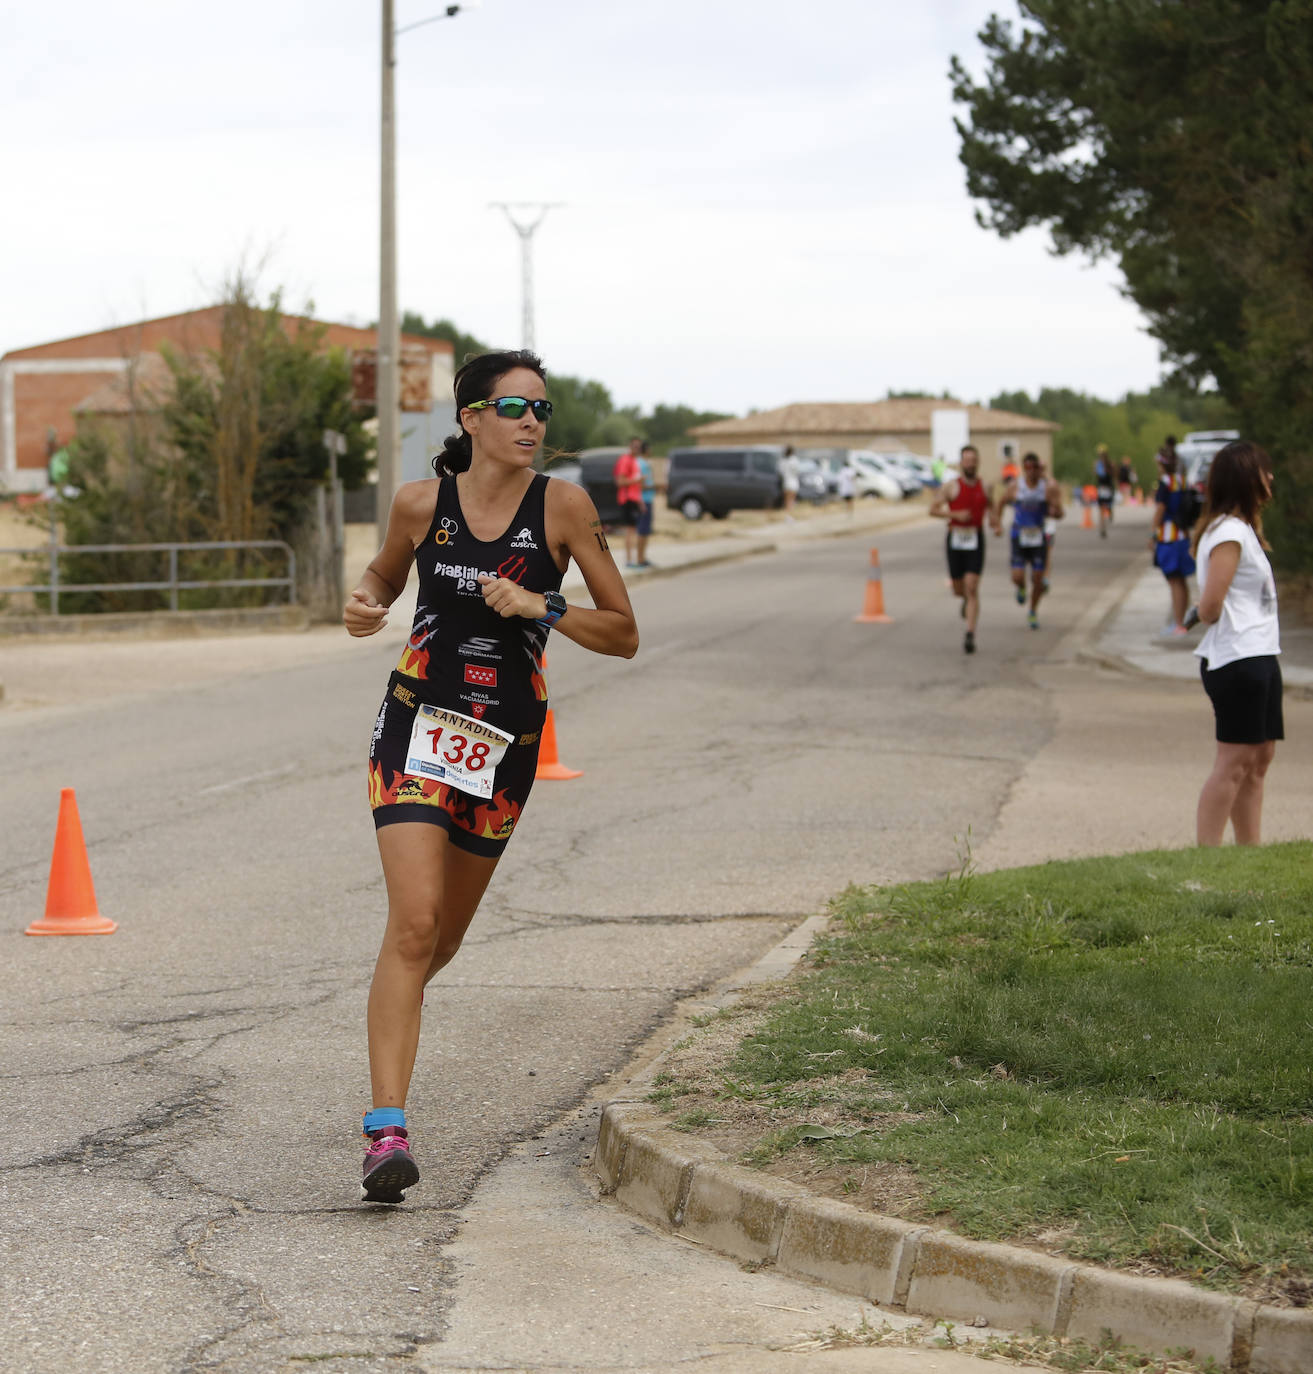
379,1117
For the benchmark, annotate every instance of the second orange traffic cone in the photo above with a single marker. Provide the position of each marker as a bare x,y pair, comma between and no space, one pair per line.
70,897
549,762
873,607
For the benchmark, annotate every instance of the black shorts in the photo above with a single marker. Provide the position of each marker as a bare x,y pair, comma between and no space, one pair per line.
1246,697
629,513
1037,555
473,824
963,561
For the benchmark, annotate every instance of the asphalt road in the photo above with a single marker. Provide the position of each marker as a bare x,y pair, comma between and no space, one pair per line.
178,1183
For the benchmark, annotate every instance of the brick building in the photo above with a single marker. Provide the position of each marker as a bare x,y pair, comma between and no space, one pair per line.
45,387
903,423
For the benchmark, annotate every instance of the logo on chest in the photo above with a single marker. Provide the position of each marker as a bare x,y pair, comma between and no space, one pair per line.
524,540
480,675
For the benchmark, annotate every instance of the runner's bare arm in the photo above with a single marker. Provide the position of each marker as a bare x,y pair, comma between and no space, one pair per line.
385,577
1007,496
939,506
574,531
995,508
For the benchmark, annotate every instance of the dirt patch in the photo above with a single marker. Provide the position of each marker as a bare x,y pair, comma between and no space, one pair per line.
691,1090
20,528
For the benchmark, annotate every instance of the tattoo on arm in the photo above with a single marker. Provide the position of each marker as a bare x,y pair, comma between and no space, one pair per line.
596,527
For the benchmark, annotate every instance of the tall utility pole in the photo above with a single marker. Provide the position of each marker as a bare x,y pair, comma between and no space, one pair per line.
387,380
387,375
525,231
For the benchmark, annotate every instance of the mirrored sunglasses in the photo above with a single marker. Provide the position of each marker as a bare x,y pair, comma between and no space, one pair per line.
513,407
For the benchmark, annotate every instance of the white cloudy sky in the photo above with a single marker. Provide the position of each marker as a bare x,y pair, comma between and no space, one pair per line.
762,198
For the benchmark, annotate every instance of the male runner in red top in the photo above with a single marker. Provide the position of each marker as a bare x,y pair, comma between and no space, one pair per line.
965,502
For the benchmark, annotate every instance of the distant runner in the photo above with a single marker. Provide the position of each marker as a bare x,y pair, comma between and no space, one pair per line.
1033,498
965,502
1105,486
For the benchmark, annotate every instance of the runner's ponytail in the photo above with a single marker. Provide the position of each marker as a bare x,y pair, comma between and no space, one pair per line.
456,456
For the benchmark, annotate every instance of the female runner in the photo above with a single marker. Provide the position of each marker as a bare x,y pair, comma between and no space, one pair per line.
455,744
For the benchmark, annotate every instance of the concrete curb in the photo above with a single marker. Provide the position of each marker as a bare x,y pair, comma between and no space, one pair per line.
690,1187
687,1186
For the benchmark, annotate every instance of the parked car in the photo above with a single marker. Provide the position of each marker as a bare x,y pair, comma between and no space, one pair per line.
908,476
720,480
868,479
1196,453
829,460
568,469
596,469
813,481
872,478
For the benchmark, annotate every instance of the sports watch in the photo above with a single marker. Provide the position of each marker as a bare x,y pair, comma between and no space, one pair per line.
556,608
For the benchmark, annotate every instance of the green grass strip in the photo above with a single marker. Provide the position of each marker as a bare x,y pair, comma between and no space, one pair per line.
1118,1051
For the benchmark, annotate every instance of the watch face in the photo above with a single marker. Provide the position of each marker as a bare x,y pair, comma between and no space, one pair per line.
555,603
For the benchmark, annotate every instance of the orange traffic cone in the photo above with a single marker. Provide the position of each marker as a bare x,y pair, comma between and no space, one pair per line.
1138,498
549,762
1087,519
70,898
873,609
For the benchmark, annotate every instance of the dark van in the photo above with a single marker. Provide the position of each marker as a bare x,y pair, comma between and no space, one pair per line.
720,480
597,477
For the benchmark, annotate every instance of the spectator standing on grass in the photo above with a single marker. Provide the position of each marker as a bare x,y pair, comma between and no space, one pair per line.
646,515
628,478
1170,540
1239,651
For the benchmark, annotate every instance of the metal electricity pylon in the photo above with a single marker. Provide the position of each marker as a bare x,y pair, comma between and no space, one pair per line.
525,230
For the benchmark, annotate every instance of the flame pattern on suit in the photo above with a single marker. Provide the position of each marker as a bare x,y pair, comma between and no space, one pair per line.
489,820
414,660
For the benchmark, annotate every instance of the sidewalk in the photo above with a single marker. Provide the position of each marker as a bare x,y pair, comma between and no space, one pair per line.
1131,640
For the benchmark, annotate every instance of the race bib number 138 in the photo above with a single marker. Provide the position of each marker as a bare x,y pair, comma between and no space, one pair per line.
457,750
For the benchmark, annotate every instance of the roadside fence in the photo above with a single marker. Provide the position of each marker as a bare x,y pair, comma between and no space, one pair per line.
173,584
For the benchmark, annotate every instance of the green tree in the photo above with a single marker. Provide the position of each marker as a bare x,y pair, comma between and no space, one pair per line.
1177,138
232,452
1135,426
667,427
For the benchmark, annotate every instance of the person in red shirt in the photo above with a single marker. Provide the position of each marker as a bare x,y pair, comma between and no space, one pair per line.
629,495
965,503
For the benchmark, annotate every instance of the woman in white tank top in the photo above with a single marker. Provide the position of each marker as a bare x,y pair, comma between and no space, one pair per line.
1241,674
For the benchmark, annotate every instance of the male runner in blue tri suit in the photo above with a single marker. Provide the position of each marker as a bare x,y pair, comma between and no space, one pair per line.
1033,497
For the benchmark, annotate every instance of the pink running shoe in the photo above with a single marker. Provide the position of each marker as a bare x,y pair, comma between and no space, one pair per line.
389,1170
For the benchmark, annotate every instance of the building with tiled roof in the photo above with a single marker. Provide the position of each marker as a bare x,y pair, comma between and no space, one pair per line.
44,388
901,423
